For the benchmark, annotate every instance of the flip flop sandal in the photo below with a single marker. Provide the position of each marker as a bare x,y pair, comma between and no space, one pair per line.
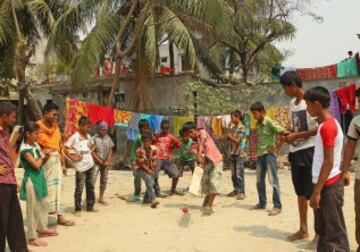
66,223
274,212
297,236
37,243
49,234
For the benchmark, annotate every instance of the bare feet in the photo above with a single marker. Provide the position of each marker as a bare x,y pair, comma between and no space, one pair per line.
176,193
49,232
64,222
154,203
313,244
103,202
207,211
258,207
241,196
77,214
38,242
93,210
274,212
299,235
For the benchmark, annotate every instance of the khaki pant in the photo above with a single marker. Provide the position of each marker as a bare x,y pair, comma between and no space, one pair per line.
36,212
357,211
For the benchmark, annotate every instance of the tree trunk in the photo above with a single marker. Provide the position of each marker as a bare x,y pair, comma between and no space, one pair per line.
141,90
171,57
22,57
115,83
244,67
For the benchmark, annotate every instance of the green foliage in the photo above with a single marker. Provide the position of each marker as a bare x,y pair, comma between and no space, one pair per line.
223,99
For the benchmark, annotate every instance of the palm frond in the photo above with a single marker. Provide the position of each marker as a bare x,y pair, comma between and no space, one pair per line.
61,41
210,58
95,45
7,30
43,14
149,39
170,24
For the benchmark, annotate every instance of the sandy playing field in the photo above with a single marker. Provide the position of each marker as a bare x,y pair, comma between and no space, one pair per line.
122,226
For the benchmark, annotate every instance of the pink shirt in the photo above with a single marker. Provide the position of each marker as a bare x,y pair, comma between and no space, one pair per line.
5,158
210,149
165,144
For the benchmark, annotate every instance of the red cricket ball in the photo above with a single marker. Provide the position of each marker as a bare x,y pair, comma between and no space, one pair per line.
185,210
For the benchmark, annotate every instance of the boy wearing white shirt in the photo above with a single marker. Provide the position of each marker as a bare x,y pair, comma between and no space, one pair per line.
327,198
79,149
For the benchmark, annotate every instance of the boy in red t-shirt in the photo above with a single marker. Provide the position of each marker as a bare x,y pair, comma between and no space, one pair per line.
166,142
328,196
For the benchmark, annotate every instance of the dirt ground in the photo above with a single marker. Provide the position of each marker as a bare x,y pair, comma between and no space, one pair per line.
123,226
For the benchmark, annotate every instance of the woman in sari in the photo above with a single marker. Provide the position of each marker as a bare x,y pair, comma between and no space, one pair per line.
50,141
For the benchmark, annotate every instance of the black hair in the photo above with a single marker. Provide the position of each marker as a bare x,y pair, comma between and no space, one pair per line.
350,52
6,108
48,107
165,122
318,94
357,92
84,120
181,131
237,113
290,77
29,127
257,106
188,126
142,123
146,136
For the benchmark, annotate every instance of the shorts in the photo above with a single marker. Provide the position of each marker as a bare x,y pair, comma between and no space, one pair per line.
211,179
301,169
183,164
169,167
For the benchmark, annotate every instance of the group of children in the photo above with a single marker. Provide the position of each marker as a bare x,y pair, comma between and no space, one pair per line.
152,152
315,144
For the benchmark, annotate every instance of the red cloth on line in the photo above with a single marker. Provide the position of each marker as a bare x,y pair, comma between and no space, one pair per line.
318,73
97,113
347,99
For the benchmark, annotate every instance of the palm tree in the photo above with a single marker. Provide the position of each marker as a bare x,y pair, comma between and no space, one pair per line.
21,25
147,22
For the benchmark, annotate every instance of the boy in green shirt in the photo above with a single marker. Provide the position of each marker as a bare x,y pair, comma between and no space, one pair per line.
267,131
143,127
186,157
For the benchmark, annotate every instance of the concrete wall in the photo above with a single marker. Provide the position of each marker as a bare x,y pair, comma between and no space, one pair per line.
166,93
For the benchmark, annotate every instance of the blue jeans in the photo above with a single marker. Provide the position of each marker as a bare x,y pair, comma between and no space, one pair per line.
149,182
267,163
237,173
137,184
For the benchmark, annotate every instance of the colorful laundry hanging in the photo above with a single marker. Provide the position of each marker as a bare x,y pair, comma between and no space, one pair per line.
226,121
178,122
74,110
317,73
133,126
253,144
204,122
122,117
155,122
217,127
98,113
246,121
334,105
252,122
271,113
282,116
347,68
347,98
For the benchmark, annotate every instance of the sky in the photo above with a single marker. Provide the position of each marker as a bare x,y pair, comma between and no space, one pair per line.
326,43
